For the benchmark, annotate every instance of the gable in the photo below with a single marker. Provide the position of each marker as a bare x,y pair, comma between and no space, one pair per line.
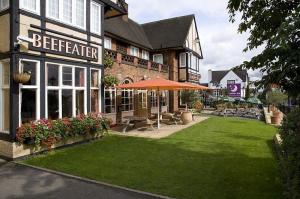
192,41
231,76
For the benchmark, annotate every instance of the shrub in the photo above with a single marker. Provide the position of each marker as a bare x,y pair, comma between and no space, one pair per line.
108,61
198,106
290,134
110,81
48,132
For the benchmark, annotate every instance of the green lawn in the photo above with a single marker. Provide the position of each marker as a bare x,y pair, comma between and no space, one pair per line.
218,158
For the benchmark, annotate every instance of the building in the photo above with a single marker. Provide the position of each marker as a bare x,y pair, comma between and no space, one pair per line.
59,46
234,82
168,49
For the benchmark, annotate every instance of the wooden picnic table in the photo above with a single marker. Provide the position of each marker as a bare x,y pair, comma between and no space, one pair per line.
132,121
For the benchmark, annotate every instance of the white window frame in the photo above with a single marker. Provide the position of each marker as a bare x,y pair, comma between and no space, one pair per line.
114,98
182,57
134,51
5,7
2,87
24,7
107,39
31,87
145,55
60,15
98,32
62,87
144,100
153,98
132,97
158,55
96,88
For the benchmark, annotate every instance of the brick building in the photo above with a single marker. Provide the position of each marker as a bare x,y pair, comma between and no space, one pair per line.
168,49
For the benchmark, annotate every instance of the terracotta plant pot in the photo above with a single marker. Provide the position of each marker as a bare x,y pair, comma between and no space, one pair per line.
21,78
276,118
187,117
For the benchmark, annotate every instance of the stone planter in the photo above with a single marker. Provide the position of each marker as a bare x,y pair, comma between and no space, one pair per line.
187,117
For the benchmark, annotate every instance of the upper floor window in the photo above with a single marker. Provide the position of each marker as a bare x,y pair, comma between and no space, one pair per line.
145,55
230,81
31,5
107,43
95,18
134,51
72,12
182,60
4,4
158,58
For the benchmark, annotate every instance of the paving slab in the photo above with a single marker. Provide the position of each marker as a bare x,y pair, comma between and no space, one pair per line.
19,181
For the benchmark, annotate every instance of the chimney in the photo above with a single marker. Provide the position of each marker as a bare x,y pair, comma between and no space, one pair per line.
209,78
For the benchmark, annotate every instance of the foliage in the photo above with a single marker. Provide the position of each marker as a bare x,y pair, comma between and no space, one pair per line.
276,98
189,97
48,132
274,26
247,94
290,134
110,81
205,154
198,106
108,61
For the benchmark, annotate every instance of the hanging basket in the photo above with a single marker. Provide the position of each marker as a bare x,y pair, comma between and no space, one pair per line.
21,78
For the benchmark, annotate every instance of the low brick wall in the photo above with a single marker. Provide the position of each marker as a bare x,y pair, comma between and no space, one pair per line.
13,150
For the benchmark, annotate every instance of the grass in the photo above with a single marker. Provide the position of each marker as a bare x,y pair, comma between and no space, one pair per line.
216,159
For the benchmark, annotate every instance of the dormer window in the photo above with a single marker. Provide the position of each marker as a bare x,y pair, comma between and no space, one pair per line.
134,51
107,43
145,55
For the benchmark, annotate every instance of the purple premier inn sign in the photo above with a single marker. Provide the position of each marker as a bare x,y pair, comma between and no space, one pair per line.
234,90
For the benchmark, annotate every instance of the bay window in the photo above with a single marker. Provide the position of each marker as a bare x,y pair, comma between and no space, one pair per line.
95,18
71,12
158,58
4,4
30,5
65,91
145,55
182,60
95,90
110,100
4,96
30,92
134,51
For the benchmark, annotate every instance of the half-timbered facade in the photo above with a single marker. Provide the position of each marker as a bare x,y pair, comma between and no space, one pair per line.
59,45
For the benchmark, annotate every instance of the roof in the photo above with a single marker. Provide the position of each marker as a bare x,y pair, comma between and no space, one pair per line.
154,35
217,76
168,33
128,30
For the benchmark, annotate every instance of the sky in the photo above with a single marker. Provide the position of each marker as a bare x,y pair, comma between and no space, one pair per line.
221,43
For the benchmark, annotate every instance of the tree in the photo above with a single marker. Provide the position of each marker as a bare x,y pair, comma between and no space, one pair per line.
275,25
247,94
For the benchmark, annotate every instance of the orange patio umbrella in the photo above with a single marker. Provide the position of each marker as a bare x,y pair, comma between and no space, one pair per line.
157,84
196,86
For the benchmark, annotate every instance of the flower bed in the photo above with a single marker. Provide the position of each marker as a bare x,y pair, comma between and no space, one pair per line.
46,133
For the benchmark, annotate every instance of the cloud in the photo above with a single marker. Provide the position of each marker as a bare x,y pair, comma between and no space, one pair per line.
221,44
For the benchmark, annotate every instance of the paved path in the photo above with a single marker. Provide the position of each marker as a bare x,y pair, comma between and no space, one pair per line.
18,181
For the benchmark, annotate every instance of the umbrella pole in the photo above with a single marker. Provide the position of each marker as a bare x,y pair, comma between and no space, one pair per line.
158,112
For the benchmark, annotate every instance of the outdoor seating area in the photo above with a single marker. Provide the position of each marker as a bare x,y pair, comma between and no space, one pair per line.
141,128
251,113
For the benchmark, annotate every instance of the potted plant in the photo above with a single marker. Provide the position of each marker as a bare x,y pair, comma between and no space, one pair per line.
275,98
189,98
110,81
22,77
